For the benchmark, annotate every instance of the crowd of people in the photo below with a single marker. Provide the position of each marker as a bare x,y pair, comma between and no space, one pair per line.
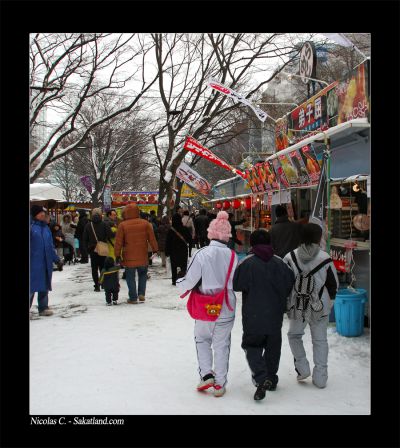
285,271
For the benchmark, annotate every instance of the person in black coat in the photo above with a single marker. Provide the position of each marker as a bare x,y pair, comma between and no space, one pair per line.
109,279
80,227
201,223
266,282
104,233
285,235
176,247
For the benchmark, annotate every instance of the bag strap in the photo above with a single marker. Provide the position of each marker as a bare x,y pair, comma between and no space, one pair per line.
295,261
322,264
226,295
180,236
94,232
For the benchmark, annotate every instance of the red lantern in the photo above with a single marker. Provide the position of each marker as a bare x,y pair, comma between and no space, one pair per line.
151,199
218,205
226,205
236,204
248,203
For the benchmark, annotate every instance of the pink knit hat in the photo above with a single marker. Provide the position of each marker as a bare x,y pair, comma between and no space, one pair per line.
220,228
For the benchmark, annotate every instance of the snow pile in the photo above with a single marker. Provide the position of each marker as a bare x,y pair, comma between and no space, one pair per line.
167,175
100,360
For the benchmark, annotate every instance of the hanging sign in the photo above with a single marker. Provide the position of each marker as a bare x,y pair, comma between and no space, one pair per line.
86,181
280,174
216,85
107,198
311,163
192,178
194,146
289,170
298,164
308,61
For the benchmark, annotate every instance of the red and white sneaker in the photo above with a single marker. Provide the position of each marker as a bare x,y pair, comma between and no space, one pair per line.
219,390
206,382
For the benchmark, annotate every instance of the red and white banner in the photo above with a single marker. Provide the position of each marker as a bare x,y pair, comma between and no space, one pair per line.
216,85
192,178
194,146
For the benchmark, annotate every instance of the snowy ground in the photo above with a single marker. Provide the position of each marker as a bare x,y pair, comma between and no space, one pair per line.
92,359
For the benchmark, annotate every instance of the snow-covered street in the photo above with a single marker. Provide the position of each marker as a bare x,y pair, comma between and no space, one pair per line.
92,359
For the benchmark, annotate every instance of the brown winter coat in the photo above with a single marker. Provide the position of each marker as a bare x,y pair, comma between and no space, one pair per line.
132,237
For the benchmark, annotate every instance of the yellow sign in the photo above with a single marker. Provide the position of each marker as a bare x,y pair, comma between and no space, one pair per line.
187,192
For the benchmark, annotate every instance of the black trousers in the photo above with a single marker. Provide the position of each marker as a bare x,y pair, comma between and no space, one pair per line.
174,269
83,251
263,353
111,294
97,264
190,246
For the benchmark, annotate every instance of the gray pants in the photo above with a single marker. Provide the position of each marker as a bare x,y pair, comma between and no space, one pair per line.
213,337
320,349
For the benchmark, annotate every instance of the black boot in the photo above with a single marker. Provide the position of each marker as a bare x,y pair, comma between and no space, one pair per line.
262,388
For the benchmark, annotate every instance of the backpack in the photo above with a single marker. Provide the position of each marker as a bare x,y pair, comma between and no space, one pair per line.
305,302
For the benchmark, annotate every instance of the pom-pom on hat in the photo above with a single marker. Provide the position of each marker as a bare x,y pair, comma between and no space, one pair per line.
220,228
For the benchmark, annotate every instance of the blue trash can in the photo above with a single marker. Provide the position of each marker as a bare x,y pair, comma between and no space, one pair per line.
349,311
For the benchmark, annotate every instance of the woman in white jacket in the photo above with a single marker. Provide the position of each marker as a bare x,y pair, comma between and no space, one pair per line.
210,267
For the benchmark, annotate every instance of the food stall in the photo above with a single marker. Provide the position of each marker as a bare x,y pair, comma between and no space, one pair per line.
145,200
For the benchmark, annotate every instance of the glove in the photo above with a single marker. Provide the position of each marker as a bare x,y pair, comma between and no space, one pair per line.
60,265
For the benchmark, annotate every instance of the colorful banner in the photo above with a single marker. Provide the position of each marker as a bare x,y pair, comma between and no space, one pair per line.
300,167
194,146
216,85
107,198
311,163
350,98
187,192
191,177
86,181
280,174
319,209
289,170
337,103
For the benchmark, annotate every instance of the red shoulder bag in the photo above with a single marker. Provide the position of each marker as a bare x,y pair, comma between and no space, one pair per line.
208,307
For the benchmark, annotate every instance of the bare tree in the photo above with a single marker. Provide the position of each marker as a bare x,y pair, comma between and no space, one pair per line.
114,152
185,62
69,70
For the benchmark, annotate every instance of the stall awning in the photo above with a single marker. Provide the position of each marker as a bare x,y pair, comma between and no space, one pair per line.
344,129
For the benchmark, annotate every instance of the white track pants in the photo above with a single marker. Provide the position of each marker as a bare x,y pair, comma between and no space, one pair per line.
213,338
320,348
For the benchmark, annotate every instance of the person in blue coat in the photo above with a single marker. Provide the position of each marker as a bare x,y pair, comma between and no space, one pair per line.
42,256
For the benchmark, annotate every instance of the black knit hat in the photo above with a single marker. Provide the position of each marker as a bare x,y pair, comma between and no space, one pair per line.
36,209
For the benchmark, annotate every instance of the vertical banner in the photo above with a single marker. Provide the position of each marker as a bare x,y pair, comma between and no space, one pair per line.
289,170
321,198
311,163
107,198
280,174
86,181
298,163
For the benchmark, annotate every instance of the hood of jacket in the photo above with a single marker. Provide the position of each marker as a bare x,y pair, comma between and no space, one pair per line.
308,253
131,211
263,251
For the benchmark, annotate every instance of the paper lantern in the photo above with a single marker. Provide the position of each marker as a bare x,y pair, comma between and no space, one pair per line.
236,204
151,199
248,203
226,205
218,205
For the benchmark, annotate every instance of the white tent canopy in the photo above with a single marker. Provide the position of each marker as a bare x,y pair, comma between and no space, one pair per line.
45,191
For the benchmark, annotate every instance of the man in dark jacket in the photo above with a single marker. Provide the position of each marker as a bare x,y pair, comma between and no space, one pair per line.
103,233
83,220
266,282
285,235
201,223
